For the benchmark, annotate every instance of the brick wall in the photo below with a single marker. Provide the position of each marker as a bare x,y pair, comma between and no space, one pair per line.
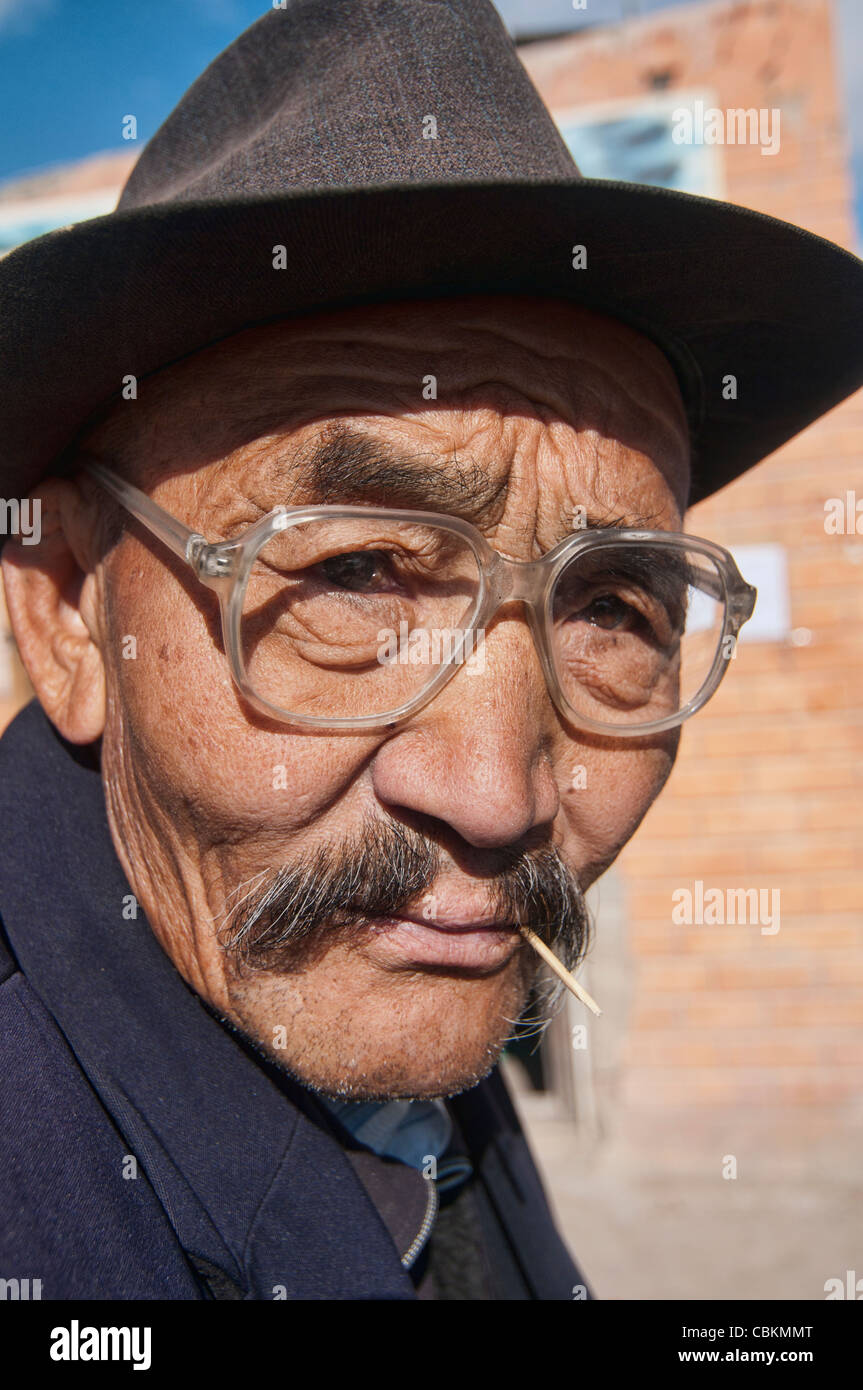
738,1041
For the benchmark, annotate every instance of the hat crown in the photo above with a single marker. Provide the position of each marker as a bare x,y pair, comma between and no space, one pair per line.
336,93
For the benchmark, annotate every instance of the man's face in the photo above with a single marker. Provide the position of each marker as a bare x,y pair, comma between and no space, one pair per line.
542,408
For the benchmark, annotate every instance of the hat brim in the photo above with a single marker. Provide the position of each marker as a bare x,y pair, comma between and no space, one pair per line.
721,289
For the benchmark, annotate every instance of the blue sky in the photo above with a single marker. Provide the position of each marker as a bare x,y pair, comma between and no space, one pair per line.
71,69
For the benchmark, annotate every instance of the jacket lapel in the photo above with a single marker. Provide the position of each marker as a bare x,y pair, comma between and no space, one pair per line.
505,1165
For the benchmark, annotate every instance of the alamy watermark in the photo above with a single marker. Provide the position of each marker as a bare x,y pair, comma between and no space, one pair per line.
20,1290
719,907
21,517
843,516
850,1287
432,646
77,1343
700,125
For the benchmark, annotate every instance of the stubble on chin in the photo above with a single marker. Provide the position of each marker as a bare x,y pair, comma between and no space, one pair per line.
413,1036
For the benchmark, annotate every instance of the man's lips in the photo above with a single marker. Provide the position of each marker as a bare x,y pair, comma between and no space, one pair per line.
482,944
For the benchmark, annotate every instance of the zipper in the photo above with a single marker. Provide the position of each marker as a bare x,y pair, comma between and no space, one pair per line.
422,1235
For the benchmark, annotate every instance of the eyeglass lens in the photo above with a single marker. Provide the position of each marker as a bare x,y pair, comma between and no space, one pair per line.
354,617
636,630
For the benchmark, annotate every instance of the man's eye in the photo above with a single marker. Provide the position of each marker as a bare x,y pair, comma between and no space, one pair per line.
609,612
358,570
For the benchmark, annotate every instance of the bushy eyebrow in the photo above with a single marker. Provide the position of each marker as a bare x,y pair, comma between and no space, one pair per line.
350,466
353,466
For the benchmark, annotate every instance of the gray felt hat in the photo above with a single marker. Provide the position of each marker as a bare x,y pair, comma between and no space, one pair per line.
308,133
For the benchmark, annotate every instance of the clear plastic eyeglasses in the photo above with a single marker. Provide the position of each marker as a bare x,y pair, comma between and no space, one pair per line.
355,617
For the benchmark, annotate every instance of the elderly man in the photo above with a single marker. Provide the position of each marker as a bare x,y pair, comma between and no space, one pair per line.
329,388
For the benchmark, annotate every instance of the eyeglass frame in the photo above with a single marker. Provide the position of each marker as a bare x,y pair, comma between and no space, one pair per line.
224,567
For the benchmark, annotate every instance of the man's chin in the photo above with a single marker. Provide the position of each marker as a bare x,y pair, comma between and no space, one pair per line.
430,1084
355,1068
395,1038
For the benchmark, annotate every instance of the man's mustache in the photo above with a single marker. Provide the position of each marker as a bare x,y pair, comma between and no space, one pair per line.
379,874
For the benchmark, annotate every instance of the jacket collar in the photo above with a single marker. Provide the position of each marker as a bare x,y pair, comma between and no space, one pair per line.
249,1176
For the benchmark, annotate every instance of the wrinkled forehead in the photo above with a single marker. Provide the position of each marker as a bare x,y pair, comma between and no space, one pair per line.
488,404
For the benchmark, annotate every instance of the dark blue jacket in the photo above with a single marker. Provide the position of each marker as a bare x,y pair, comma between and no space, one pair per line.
145,1150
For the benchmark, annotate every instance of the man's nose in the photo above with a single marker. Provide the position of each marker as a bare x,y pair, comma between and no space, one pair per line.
478,757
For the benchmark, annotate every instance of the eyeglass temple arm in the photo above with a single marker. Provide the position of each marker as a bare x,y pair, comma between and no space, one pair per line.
177,537
740,595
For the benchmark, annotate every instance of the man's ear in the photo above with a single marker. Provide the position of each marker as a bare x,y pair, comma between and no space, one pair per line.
51,594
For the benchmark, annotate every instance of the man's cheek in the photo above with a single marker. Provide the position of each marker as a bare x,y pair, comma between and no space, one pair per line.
256,783
604,799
